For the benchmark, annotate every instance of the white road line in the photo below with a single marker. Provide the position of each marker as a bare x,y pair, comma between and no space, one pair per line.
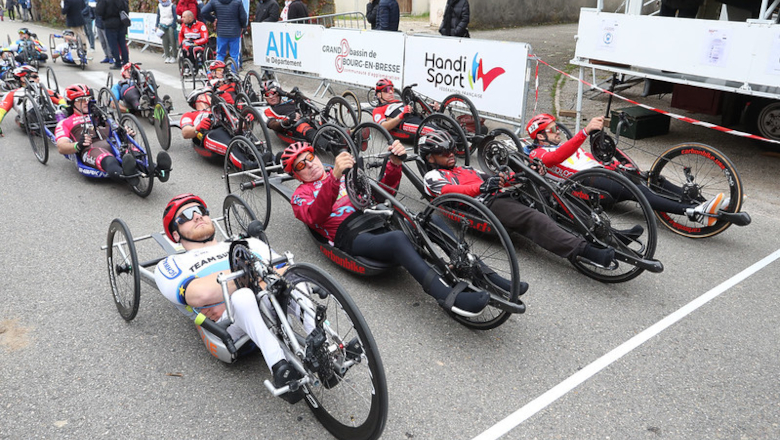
541,402
163,79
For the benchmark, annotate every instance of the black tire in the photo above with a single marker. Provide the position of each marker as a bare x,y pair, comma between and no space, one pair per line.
110,80
607,220
253,128
460,108
253,87
51,80
340,112
354,404
440,121
142,154
34,126
81,53
331,140
483,238
371,97
246,177
354,102
241,101
503,144
230,64
693,173
151,88
108,102
123,269
190,80
236,215
162,126
419,106
52,45
370,140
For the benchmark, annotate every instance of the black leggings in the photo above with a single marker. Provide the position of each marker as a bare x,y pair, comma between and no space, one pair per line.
658,203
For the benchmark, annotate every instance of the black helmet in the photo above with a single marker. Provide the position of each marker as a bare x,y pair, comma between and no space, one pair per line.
68,33
435,142
24,31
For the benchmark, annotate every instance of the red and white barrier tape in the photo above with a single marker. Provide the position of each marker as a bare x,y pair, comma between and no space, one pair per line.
671,115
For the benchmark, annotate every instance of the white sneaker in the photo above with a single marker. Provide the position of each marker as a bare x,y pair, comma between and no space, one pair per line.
709,207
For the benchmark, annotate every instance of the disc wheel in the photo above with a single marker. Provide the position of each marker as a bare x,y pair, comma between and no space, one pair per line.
350,398
339,111
440,121
52,45
693,173
138,145
478,250
51,80
246,177
35,127
108,102
623,222
354,103
123,269
461,109
237,215
162,126
253,128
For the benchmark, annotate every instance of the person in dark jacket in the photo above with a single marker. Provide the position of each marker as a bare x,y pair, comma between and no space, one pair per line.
231,19
680,8
455,21
116,31
267,10
10,5
297,10
388,16
371,11
89,18
74,19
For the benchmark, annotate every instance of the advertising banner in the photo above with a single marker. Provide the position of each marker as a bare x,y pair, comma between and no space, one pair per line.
142,28
287,46
362,57
490,73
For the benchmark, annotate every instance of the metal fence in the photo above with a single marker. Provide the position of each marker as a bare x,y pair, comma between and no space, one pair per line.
348,20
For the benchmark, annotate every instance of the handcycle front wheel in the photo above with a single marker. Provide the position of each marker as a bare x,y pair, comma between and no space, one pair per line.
253,127
497,149
478,250
461,109
616,214
123,269
694,173
354,103
35,127
338,111
253,87
351,402
51,80
138,145
440,121
331,140
246,177
237,216
108,102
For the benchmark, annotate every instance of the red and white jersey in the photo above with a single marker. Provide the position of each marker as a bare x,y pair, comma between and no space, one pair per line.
193,118
563,161
389,110
195,31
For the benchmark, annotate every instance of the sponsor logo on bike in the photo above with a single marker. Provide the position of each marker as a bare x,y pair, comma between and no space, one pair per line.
346,263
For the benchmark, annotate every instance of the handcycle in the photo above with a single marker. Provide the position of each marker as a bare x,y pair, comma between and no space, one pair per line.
74,45
150,95
448,232
196,77
7,65
37,115
343,379
31,51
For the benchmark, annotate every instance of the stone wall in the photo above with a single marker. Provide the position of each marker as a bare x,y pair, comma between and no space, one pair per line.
488,14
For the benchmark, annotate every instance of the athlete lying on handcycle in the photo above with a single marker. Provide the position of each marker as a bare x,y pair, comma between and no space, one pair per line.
392,114
68,50
283,117
25,74
321,203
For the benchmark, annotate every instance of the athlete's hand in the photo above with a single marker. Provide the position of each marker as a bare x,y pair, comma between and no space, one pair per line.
204,124
398,150
594,124
406,110
490,185
344,161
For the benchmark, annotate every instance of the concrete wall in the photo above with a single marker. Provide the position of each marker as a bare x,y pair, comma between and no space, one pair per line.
487,14
419,7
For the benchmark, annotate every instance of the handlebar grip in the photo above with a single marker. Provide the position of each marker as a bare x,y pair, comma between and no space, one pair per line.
218,331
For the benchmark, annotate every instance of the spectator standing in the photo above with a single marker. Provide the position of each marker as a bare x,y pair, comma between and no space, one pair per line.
267,10
10,5
371,11
101,35
186,5
388,16
116,31
231,19
89,19
25,7
680,8
74,19
296,10
455,21
166,22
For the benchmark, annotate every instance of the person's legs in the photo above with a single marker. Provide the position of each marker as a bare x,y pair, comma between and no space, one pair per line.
222,47
235,50
248,319
101,34
169,42
80,32
112,39
90,33
122,41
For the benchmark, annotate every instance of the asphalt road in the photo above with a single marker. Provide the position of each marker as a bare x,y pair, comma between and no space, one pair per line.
70,367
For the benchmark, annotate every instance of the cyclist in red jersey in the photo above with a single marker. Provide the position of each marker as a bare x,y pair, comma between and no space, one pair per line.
282,117
14,98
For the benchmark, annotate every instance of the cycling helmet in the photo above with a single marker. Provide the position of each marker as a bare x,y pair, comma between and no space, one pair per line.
169,214
126,68
24,31
435,142
76,91
23,71
217,65
271,86
192,97
292,152
68,33
382,83
538,123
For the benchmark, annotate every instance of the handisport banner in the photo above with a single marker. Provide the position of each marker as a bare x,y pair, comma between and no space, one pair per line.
362,57
287,46
492,74
142,28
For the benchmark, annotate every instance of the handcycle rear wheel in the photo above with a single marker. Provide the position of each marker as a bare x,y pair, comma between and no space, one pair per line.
237,215
352,404
693,173
35,127
440,121
246,177
371,139
253,86
338,111
613,223
253,127
51,80
354,103
142,152
123,269
461,109
478,250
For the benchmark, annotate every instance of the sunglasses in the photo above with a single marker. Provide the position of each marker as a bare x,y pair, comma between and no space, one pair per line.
552,129
388,89
302,164
189,214
33,76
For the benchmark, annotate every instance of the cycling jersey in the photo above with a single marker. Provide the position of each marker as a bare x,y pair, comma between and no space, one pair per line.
408,126
568,158
215,140
14,99
300,129
195,31
127,90
461,180
323,204
74,128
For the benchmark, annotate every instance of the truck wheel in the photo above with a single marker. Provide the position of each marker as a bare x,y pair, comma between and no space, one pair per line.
765,118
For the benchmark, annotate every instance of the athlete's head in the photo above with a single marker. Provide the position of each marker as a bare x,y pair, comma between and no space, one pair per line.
78,97
299,160
437,148
200,99
24,33
186,219
271,91
127,70
543,130
217,69
187,17
385,91
26,73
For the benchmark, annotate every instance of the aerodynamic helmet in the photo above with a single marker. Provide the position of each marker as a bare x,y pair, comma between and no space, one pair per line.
382,83
193,96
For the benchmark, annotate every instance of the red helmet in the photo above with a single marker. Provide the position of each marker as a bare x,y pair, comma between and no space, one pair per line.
169,214
538,123
292,152
217,65
76,91
126,68
23,71
382,83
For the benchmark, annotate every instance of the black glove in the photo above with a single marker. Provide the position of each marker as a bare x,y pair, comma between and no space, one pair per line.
492,184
